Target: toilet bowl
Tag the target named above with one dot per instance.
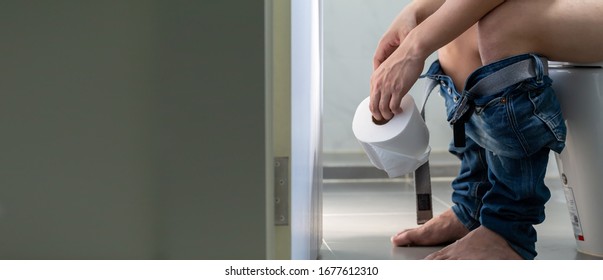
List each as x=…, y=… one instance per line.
x=579, y=88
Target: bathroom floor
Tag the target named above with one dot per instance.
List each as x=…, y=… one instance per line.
x=360, y=215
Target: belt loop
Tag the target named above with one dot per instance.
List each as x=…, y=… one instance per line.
x=539, y=68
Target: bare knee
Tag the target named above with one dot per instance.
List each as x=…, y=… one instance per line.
x=519, y=26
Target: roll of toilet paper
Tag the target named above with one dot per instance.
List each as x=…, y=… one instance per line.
x=399, y=146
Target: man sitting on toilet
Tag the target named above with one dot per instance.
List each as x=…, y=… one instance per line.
x=493, y=75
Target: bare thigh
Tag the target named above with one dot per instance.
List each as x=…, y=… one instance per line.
x=562, y=30
x=461, y=57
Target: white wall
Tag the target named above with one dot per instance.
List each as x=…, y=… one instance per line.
x=352, y=29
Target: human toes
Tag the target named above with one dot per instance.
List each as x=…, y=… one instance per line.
x=402, y=238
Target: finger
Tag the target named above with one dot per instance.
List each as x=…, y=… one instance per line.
x=375, y=97
x=384, y=106
x=432, y=256
x=379, y=99
x=395, y=103
x=387, y=45
x=374, y=104
x=382, y=53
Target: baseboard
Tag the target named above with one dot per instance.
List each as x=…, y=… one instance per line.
x=358, y=166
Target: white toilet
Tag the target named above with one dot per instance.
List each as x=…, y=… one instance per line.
x=579, y=88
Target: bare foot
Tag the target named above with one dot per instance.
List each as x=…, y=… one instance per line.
x=442, y=229
x=480, y=244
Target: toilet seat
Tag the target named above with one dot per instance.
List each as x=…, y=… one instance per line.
x=562, y=64
x=579, y=89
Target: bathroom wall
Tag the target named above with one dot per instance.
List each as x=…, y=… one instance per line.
x=351, y=32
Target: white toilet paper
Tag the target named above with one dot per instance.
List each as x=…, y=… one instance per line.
x=398, y=147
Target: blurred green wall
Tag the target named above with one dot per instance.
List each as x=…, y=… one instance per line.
x=132, y=130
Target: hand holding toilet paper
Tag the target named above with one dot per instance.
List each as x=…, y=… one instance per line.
x=398, y=147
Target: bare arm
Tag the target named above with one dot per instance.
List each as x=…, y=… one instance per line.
x=412, y=15
x=392, y=79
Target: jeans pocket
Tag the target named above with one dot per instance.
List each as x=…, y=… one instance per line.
x=537, y=120
x=548, y=110
x=492, y=127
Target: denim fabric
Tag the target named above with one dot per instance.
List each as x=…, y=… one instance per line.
x=471, y=184
x=509, y=136
x=472, y=181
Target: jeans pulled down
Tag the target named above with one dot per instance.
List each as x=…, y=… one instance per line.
x=508, y=138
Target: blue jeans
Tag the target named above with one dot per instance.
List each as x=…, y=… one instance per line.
x=508, y=138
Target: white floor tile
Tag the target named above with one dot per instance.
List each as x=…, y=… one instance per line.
x=359, y=218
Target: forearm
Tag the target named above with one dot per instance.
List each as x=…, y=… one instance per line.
x=401, y=54
x=422, y=9
x=445, y=23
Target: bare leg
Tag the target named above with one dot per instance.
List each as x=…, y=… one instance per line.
x=458, y=59
x=563, y=30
